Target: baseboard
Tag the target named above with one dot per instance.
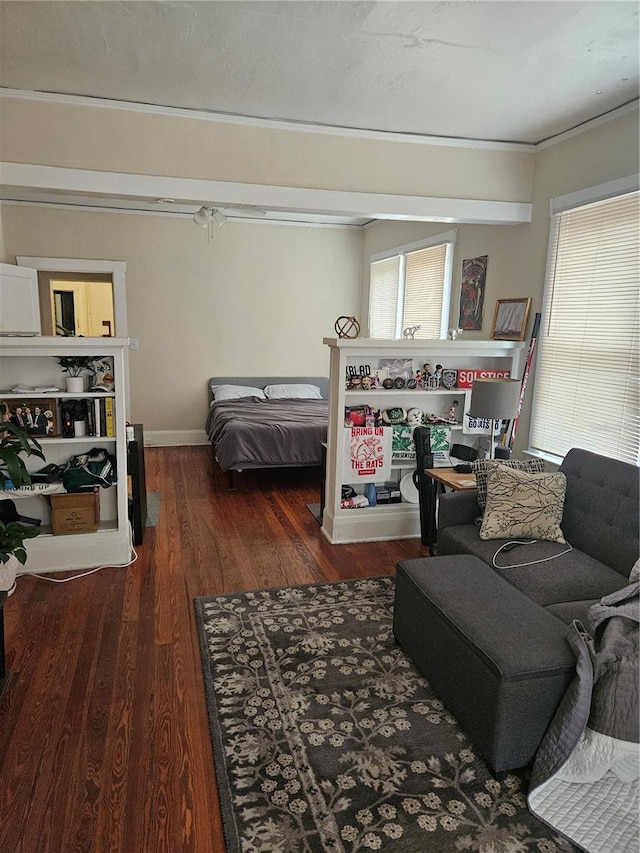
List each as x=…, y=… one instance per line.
x=174, y=437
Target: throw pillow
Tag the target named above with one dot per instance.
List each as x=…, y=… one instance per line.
x=293, y=390
x=481, y=468
x=235, y=392
x=523, y=505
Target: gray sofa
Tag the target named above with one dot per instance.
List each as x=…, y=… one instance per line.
x=492, y=641
x=600, y=522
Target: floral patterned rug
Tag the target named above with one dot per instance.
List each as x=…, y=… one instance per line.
x=327, y=739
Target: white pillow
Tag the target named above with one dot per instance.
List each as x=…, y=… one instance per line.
x=234, y=392
x=292, y=389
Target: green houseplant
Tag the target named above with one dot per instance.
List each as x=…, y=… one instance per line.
x=74, y=365
x=14, y=443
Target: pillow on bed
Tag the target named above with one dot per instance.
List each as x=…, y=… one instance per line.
x=234, y=392
x=292, y=389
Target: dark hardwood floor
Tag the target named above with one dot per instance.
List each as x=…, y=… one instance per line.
x=104, y=739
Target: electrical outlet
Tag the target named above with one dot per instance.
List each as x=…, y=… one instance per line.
x=134, y=344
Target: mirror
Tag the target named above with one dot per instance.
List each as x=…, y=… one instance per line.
x=76, y=304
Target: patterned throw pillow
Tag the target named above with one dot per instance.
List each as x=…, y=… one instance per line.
x=523, y=505
x=481, y=468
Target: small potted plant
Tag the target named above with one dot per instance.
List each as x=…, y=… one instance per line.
x=74, y=366
x=13, y=473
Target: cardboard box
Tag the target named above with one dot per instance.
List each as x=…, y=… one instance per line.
x=75, y=513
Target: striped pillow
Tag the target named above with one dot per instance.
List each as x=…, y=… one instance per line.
x=481, y=468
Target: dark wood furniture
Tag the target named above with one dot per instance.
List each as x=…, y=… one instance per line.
x=4, y=675
x=138, y=490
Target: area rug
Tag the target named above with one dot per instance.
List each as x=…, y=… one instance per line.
x=326, y=738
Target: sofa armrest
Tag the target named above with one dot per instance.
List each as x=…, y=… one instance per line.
x=458, y=508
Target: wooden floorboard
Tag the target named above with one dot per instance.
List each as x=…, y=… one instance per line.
x=104, y=737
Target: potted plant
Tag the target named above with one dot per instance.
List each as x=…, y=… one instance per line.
x=74, y=365
x=14, y=442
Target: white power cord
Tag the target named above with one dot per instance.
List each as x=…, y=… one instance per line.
x=91, y=571
x=513, y=543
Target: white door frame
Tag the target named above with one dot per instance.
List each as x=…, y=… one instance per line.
x=118, y=272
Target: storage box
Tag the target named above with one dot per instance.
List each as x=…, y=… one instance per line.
x=75, y=513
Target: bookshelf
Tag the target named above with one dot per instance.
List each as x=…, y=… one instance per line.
x=364, y=357
x=31, y=363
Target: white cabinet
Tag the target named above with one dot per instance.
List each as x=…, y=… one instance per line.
x=19, y=303
x=365, y=358
x=32, y=363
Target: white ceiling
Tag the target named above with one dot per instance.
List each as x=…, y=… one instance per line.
x=506, y=71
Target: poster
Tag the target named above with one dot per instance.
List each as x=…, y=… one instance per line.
x=474, y=274
x=402, y=445
x=440, y=445
x=367, y=454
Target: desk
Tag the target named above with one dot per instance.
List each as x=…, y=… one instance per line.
x=434, y=481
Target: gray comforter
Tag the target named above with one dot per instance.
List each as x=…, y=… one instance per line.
x=255, y=433
x=585, y=776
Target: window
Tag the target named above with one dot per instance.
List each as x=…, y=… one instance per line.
x=411, y=286
x=587, y=391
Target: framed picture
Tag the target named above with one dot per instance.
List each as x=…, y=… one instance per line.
x=510, y=319
x=37, y=416
x=474, y=277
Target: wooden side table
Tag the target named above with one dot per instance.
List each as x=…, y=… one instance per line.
x=437, y=480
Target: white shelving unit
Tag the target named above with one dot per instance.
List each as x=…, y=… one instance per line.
x=32, y=362
x=396, y=521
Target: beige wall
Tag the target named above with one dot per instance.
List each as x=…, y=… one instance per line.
x=518, y=254
x=257, y=299
x=137, y=143
x=261, y=297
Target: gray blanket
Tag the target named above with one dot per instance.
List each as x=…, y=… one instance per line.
x=254, y=433
x=585, y=776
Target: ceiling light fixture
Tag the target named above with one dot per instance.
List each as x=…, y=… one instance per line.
x=206, y=215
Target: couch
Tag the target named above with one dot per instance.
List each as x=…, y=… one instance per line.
x=600, y=521
x=492, y=641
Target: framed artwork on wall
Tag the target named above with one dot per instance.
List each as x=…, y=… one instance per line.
x=474, y=277
x=510, y=319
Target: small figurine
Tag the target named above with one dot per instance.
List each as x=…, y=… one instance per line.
x=451, y=414
x=426, y=371
x=410, y=332
x=419, y=378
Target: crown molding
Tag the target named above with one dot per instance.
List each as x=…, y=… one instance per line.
x=266, y=124
x=630, y=107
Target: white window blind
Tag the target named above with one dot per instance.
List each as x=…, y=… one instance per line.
x=423, y=290
x=587, y=388
x=383, y=297
x=411, y=287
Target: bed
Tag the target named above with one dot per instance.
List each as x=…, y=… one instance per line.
x=250, y=432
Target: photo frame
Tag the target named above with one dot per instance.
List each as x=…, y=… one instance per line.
x=37, y=415
x=510, y=319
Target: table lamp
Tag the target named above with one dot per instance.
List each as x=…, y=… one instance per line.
x=495, y=400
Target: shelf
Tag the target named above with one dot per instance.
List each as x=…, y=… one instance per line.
x=361, y=357
x=58, y=395
x=404, y=392
x=33, y=363
x=80, y=439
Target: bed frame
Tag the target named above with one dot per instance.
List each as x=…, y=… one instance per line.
x=260, y=382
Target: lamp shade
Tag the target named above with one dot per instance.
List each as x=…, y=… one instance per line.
x=495, y=399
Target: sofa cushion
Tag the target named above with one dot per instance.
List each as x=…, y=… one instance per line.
x=601, y=508
x=481, y=468
x=523, y=505
x=573, y=576
x=567, y=611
